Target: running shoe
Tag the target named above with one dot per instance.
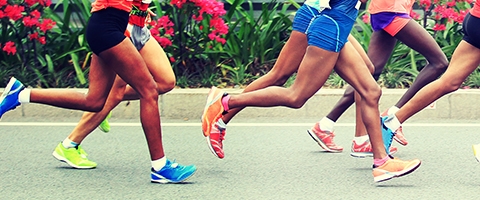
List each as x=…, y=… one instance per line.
x=324, y=139
x=394, y=168
x=387, y=135
x=213, y=110
x=399, y=136
x=172, y=172
x=215, y=140
x=9, y=97
x=105, y=126
x=75, y=157
x=365, y=150
x=476, y=151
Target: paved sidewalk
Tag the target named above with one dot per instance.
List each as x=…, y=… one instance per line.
x=189, y=103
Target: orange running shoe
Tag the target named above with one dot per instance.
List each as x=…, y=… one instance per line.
x=365, y=150
x=215, y=140
x=394, y=168
x=399, y=136
x=213, y=110
x=324, y=139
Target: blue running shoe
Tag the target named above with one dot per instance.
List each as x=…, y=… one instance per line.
x=172, y=172
x=9, y=98
x=387, y=135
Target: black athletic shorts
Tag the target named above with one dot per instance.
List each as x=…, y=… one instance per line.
x=106, y=28
x=471, y=30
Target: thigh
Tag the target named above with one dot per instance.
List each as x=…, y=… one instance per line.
x=101, y=78
x=354, y=72
x=380, y=49
x=416, y=37
x=157, y=62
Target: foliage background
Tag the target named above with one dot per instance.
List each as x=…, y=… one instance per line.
x=253, y=42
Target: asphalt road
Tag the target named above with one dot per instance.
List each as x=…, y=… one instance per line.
x=263, y=161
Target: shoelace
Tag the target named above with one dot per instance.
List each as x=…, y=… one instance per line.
x=174, y=164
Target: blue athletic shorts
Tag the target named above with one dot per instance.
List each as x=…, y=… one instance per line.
x=304, y=18
x=330, y=30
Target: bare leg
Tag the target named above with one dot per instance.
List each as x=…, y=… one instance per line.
x=159, y=67
x=417, y=38
x=465, y=60
x=287, y=63
x=302, y=89
x=358, y=75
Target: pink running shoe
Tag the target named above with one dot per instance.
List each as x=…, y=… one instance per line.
x=215, y=140
x=399, y=136
x=324, y=139
x=365, y=150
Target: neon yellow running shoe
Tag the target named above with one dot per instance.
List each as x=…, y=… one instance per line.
x=75, y=157
x=476, y=151
x=105, y=126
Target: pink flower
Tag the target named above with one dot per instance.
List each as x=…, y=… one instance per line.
x=164, y=42
x=414, y=15
x=425, y=4
x=439, y=27
x=172, y=59
x=366, y=19
x=3, y=2
x=451, y=3
x=10, y=48
x=178, y=3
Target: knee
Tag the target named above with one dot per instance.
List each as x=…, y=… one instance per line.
x=149, y=92
x=296, y=101
x=440, y=64
x=449, y=85
x=372, y=94
x=94, y=105
x=166, y=86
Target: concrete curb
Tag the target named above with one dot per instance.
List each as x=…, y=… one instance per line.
x=188, y=104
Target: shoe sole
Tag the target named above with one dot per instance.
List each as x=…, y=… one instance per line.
x=211, y=98
x=211, y=147
x=323, y=145
x=361, y=155
x=63, y=159
x=166, y=181
x=399, y=141
x=399, y=174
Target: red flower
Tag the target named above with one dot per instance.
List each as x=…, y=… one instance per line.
x=172, y=59
x=35, y=14
x=46, y=25
x=439, y=27
x=45, y=3
x=178, y=3
x=451, y=3
x=31, y=2
x=42, y=40
x=30, y=22
x=10, y=48
x=3, y=2
x=14, y=12
x=33, y=36
x=425, y=4
x=2, y=14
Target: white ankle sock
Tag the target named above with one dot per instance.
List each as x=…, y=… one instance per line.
x=67, y=143
x=361, y=139
x=327, y=124
x=24, y=96
x=221, y=124
x=392, y=110
x=393, y=123
x=159, y=163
